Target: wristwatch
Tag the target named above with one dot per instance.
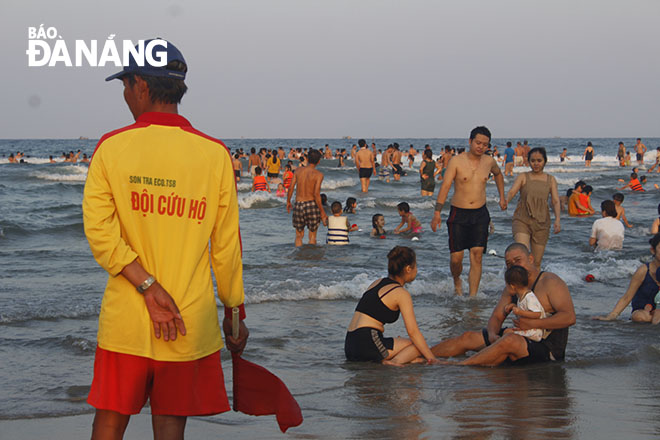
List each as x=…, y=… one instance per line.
x=146, y=284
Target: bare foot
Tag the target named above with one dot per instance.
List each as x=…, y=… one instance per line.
x=392, y=363
x=648, y=308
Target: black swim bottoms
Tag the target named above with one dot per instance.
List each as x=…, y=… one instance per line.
x=639, y=157
x=366, y=173
x=273, y=175
x=468, y=228
x=367, y=344
x=538, y=351
x=397, y=169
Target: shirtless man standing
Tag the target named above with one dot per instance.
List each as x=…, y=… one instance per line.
x=364, y=162
x=385, y=163
x=495, y=345
x=469, y=218
x=396, y=162
x=640, y=149
x=308, y=210
x=253, y=161
x=520, y=151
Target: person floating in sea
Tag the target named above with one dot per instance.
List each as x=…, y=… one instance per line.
x=642, y=291
x=308, y=211
x=351, y=205
x=578, y=205
x=468, y=221
x=634, y=183
x=378, y=226
x=259, y=182
x=159, y=337
x=365, y=164
x=384, y=301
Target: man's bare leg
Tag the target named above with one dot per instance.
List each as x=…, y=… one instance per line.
x=168, y=427
x=109, y=425
x=299, y=237
x=468, y=341
x=364, y=183
x=312, y=236
x=510, y=345
x=474, y=276
x=456, y=267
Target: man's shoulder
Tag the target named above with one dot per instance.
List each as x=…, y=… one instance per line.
x=547, y=282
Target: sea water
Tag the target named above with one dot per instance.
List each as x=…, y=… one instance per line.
x=299, y=303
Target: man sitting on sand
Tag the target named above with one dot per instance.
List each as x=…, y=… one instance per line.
x=495, y=346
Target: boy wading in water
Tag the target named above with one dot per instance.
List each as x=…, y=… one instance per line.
x=469, y=218
x=308, y=210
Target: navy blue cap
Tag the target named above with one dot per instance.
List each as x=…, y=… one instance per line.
x=172, y=53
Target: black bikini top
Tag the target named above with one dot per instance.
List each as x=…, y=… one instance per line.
x=372, y=305
x=514, y=298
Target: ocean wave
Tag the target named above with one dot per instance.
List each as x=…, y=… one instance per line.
x=46, y=313
x=70, y=173
x=338, y=183
x=352, y=288
x=243, y=186
x=260, y=199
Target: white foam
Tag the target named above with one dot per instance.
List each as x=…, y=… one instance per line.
x=339, y=183
x=71, y=173
x=247, y=201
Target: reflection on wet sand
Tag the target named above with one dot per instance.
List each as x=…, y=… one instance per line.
x=514, y=402
x=387, y=400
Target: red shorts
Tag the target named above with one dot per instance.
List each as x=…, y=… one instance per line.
x=122, y=383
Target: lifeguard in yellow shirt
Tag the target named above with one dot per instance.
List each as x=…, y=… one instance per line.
x=160, y=197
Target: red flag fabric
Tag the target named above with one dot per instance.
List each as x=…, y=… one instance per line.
x=259, y=392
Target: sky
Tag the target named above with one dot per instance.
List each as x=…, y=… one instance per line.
x=360, y=68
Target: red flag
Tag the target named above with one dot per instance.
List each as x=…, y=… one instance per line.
x=259, y=392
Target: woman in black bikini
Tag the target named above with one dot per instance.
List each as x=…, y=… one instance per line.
x=381, y=304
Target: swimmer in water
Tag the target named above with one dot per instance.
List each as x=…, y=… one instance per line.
x=407, y=217
x=378, y=223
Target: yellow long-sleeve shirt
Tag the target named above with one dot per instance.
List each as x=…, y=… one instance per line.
x=164, y=193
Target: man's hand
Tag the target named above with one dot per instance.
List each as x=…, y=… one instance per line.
x=503, y=204
x=436, y=222
x=163, y=312
x=289, y=206
x=524, y=323
x=235, y=345
x=557, y=227
x=324, y=218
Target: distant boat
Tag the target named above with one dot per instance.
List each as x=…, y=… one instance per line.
x=347, y=137
x=83, y=138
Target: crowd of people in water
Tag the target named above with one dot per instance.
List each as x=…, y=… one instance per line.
x=540, y=300
x=20, y=157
